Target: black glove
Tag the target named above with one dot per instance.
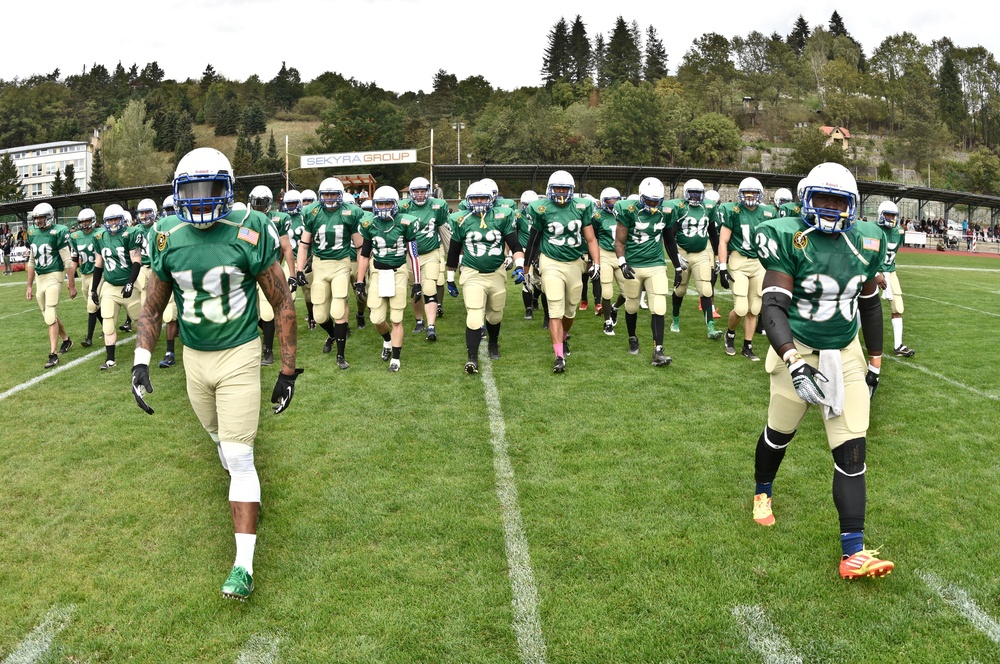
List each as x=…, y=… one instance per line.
x=724, y=278
x=284, y=389
x=627, y=271
x=871, y=379
x=95, y=298
x=293, y=283
x=309, y=264
x=807, y=380
x=300, y=278
x=678, y=276
x=416, y=291
x=594, y=273
x=360, y=290
x=452, y=289
x=127, y=290
x=141, y=386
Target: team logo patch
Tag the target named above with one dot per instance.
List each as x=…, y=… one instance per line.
x=871, y=244
x=161, y=241
x=631, y=208
x=366, y=223
x=541, y=208
x=248, y=235
x=800, y=241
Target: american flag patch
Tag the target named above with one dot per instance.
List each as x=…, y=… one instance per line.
x=871, y=244
x=248, y=235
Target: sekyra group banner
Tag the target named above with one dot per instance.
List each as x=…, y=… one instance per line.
x=376, y=157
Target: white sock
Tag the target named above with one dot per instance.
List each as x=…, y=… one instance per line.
x=245, y=543
x=897, y=332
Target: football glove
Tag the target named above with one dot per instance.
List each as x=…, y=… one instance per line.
x=678, y=276
x=807, y=380
x=683, y=261
x=627, y=271
x=416, y=291
x=594, y=272
x=293, y=283
x=508, y=262
x=871, y=379
x=309, y=264
x=452, y=289
x=300, y=278
x=141, y=386
x=284, y=389
x=361, y=290
x=95, y=298
x=127, y=290
x=518, y=275
x=724, y=276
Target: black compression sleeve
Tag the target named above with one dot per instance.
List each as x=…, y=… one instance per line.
x=513, y=243
x=870, y=308
x=713, y=237
x=366, y=248
x=134, y=272
x=774, y=314
x=454, y=253
x=98, y=273
x=670, y=244
x=533, y=240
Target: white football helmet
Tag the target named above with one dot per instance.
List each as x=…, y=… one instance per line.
x=610, y=196
x=633, y=197
x=888, y=214
x=651, y=194
x=331, y=193
x=713, y=195
x=292, y=202
x=366, y=204
x=43, y=216
x=168, y=206
x=782, y=196
x=385, y=203
x=260, y=198
x=240, y=205
x=830, y=179
x=694, y=192
x=203, y=186
x=799, y=188
x=560, y=187
x=420, y=190
x=129, y=221
x=751, y=193
x=146, y=212
x=492, y=186
x=479, y=197
x=86, y=220
x=114, y=219
x=528, y=197
x=308, y=196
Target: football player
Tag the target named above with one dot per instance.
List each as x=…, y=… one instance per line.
x=561, y=233
x=212, y=259
x=605, y=225
x=308, y=197
x=696, y=219
x=331, y=229
x=83, y=252
x=168, y=206
x=736, y=244
x=529, y=292
x=785, y=204
x=295, y=226
x=645, y=227
x=260, y=200
x=888, y=281
x=431, y=214
x=386, y=244
x=170, y=313
x=146, y=216
x=116, y=269
x=478, y=237
x=50, y=257
x=819, y=286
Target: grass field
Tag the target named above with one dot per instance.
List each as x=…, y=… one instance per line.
x=385, y=538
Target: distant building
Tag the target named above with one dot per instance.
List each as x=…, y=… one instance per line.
x=37, y=165
x=838, y=135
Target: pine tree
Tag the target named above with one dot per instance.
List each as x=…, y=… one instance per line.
x=556, y=61
x=57, y=188
x=579, y=52
x=99, y=179
x=242, y=159
x=796, y=39
x=69, y=180
x=272, y=162
x=228, y=122
x=10, y=183
x=598, y=54
x=185, y=137
x=623, y=60
x=837, y=28
x=950, y=94
x=253, y=119
x=655, y=66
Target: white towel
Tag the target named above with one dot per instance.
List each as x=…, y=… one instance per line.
x=833, y=389
x=887, y=292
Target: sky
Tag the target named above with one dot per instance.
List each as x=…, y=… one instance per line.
x=401, y=44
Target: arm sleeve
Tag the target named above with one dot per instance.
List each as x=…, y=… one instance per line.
x=670, y=244
x=454, y=253
x=366, y=247
x=134, y=272
x=774, y=315
x=98, y=273
x=513, y=243
x=713, y=236
x=870, y=310
x=533, y=240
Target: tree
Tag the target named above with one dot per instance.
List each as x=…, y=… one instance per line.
x=471, y=96
x=185, y=137
x=712, y=140
x=952, y=103
x=10, y=183
x=99, y=177
x=208, y=77
x=273, y=161
x=69, y=181
x=285, y=88
x=655, y=66
x=129, y=154
x=228, y=121
x=357, y=123
x=556, y=59
x=836, y=25
x=623, y=60
x=982, y=171
x=598, y=54
x=796, y=39
x=253, y=119
x=57, y=188
x=578, y=50
x=639, y=125
x=811, y=149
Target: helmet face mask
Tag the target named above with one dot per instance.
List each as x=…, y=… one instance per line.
x=43, y=216
x=528, y=197
x=782, y=196
x=292, y=202
x=114, y=219
x=168, y=206
x=260, y=198
x=830, y=198
x=888, y=214
x=479, y=198
x=694, y=192
x=651, y=194
x=385, y=203
x=420, y=191
x=86, y=220
x=308, y=196
x=751, y=193
x=609, y=196
x=331, y=193
x=560, y=188
x=203, y=187
x=146, y=212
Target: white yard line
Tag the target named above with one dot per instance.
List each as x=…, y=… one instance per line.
x=950, y=381
x=947, y=267
x=49, y=373
x=952, y=304
x=20, y=313
x=964, y=604
x=764, y=638
x=259, y=649
x=524, y=600
x=36, y=645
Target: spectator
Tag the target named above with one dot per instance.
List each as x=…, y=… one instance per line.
x=5, y=250
x=438, y=191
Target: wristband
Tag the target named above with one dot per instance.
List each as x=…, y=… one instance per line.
x=621, y=260
x=450, y=275
x=792, y=359
x=142, y=356
x=518, y=262
x=874, y=370
x=722, y=266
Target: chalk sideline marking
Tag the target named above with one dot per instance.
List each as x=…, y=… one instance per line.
x=964, y=604
x=58, y=370
x=524, y=599
x=764, y=638
x=952, y=304
x=19, y=313
x=259, y=649
x=950, y=381
x=945, y=267
x=36, y=645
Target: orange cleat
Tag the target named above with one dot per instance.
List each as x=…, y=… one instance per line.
x=864, y=563
x=762, y=510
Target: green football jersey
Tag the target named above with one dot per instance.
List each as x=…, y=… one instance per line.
x=294, y=227
x=281, y=221
x=828, y=275
x=213, y=272
x=791, y=209
x=605, y=224
x=115, y=251
x=694, y=220
x=523, y=225
x=389, y=238
x=893, y=240
x=82, y=244
x=332, y=229
x=143, y=238
x=431, y=216
x=45, y=246
x=743, y=222
x=561, y=227
x=644, y=242
x=482, y=237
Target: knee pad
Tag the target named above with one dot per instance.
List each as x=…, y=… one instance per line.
x=108, y=325
x=244, y=485
x=849, y=458
x=430, y=299
x=338, y=309
x=775, y=439
x=321, y=311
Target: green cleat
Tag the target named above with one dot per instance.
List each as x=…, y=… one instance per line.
x=712, y=332
x=675, y=326
x=239, y=585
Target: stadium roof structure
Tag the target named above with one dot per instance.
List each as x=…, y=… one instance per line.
x=675, y=177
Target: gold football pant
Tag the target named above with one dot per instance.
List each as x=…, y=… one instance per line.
x=747, y=276
x=47, y=288
x=700, y=266
x=112, y=302
x=224, y=389
x=654, y=280
x=485, y=295
x=562, y=283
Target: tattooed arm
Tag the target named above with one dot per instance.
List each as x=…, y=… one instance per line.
x=151, y=317
x=272, y=282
